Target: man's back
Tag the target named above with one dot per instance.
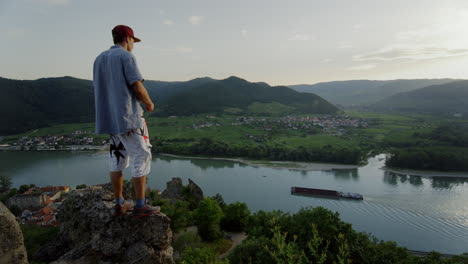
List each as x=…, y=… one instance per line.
x=117, y=108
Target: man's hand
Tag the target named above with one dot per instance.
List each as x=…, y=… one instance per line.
x=150, y=107
x=142, y=95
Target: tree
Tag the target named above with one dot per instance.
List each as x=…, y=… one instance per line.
x=26, y=187
x=81, y=186
x=208, y=217
x=5, y=183
x=179, y=212
x=5, y=196
x=219, y=198
x=236, y=217
x=252, y=250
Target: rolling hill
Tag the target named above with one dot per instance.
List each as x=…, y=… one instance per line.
x=445, y=99
x=364, y=92
x=236, y=93
x=30, y=104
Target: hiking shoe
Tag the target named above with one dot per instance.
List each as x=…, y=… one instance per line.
x=146, y=210
x=124, y=208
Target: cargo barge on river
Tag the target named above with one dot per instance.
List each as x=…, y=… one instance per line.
x=326, y=193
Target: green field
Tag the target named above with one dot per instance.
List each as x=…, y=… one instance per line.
x=382, y=127
x=178, y=134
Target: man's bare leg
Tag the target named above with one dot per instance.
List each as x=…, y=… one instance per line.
x=117, y=183
x=141, y=209
x=139, y=185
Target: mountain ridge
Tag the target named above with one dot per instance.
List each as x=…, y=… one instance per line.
x=30, y=104
x=447, y=99
x=365, y=92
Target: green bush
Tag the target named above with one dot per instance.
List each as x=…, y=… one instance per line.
x=312, y=235
x=252, y=251
x=207, y=218
x=5, y=183
x=389, y=253
x=4, y=196
x=287, y=251
x=35, y=236
x=219, y=198
x=186, y=240
x=200, y=256
x=189, y=198
x=260, y=225
x=220, y=246
x=81, y=186
x=25, y=187
x=178, y=212
x=236, y=217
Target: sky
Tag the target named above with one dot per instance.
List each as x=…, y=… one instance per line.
x=275, y=41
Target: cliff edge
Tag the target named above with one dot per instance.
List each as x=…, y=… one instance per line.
x=90, y=233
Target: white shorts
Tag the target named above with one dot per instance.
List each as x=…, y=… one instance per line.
x=132, y=148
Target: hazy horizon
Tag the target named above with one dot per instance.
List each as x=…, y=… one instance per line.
x=293, y=84
x=280, y=43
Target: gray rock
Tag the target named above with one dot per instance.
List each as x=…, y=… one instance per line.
x=173, y=190
x=12, y=248
x=90, y=233
x=196, y=192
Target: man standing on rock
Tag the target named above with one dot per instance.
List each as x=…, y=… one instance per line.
x=118, y=92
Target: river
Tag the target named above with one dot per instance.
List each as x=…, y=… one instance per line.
x=418, y=212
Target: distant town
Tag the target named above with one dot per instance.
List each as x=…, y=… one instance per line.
x=78, y=140
x=83, y=140
x=329, y=124
x=38, y=205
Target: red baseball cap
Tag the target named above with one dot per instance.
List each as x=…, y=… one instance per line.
x=124, y=31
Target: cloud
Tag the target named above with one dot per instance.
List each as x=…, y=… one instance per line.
x=168, y=22
x=244, y=32
x=196, y=20
x=345, y=46
x=364, y=67
x=444, y=38
x=327, y=60
x=410, y=53
x=300, y=37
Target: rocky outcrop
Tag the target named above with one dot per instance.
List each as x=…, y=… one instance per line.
x=196, y=192
x=90, y=233
x=12, y=248
x=175, y=190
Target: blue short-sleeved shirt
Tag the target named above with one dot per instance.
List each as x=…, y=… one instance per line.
x=117, y=107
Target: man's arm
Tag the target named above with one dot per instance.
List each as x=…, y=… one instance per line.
x=142, y=95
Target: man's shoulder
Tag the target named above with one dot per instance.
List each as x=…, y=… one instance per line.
x=115, y=52
x=102, y=54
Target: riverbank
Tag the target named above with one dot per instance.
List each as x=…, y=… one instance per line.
x=92, y=148
x=290, y=165
x=429, y=174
